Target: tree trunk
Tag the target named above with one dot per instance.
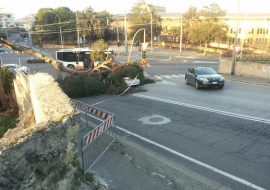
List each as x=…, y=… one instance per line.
x=205, y=48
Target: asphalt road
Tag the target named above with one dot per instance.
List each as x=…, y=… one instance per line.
x=236, y=144
x=227, y=129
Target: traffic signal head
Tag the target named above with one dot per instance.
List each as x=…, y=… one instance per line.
x=143, y=55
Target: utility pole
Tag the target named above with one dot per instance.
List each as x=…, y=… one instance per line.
x=61, y=37
x=78, y=34
x=126, y=48
x=235, y=40
x=117, y=32
x=30, y=37
x=181, y=34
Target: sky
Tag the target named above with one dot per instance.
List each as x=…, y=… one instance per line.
x=22, y=8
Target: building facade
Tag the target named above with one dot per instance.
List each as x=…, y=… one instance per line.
x=7, y=20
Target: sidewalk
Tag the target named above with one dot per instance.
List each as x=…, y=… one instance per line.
x=248, y=80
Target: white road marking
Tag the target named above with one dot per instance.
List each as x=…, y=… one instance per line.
x=166, y=76
x=233, y=177
x=181, y=75
x=248, y=83
x=236, y=115
x=175, y=76
x=158, y=77
x=168, y=82
x=205, y=61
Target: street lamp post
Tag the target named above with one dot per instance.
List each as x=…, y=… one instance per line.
x=133, y=41
x=61, y=37
x=148, y=8
x=235, y=40
x=181, y=34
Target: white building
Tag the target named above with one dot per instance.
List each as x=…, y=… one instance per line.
x=7, y=20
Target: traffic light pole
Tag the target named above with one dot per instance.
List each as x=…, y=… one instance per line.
x=133, y=42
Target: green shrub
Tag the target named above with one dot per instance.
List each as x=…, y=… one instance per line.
x=73, y=86
x=255, y=57
x=117, y=89
x=81, y=86
x=94, y=86
x=147, y=81
x=8, y=120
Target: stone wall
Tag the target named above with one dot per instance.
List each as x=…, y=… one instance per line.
x=46, y=159
x=256, y=70
x=41, y=152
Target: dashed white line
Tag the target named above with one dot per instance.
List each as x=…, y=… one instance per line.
x=233, y=177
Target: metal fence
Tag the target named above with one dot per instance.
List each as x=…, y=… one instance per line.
x=99, y=138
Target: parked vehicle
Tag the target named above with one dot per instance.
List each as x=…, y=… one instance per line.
x=35, y=60
x=17, y=68
x=78, y=58
x=202, y=77
x=2, y=49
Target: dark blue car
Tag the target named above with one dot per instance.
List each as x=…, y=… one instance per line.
x=202, y=77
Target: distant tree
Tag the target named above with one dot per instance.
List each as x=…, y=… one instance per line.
x=140, y=18
x=189, y=17
x=206, y=26
x=47, y=21
x=88, y=24
x=98, y=50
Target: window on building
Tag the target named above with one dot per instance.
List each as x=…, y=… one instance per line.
x=266, y=31
x=239, y=31
x=258, y=30
x=252, y=31
x=231, y=30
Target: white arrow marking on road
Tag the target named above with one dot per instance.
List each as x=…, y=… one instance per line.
x=241, y=116
x=233, y=177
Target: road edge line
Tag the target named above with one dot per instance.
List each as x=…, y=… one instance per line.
x=233, y=177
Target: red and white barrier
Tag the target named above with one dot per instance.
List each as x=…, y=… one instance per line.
x=97, y=112
x=78, y=104
x=98, y=131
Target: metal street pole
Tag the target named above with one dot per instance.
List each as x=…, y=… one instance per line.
x=126, y=48
x=61, y=37
x=235, y=40
x=117, y=32
x=148, y=8
x=181, y=34
x=133, y=41
x=78, y=34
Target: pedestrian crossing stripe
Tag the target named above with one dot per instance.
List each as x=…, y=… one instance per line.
x=169, y=76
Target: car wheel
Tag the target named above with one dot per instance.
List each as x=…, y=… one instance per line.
x=186, y=81
x=197, y=85
x=71, y=66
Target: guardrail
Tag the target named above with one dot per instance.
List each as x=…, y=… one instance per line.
x=95, y=142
